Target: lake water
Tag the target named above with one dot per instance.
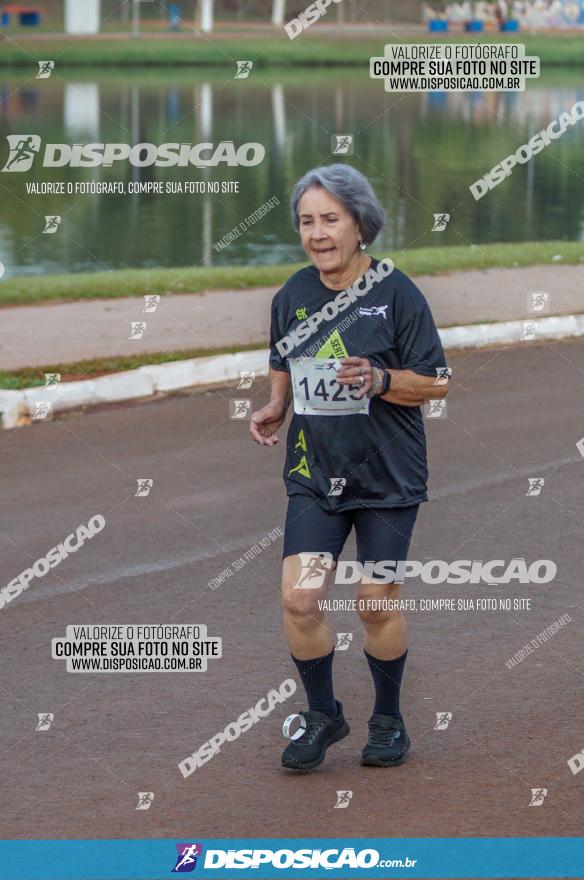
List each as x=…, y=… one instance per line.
x=420, y=151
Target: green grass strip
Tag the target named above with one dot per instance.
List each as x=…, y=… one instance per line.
x=273, y=49
x=77, y=370
x=27, y=290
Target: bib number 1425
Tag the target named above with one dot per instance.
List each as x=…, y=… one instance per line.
x=317, y=392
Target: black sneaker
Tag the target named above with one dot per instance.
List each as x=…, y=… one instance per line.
x=308, y=751
x=387, y=743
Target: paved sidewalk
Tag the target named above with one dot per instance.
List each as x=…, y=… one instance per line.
x=62, y=333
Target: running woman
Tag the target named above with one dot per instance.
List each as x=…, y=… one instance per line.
x=365, y=356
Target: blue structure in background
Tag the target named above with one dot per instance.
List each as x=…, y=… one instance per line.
x=28, y=16
x=174, y=16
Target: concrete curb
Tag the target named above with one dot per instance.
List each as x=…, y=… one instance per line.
x=18, y=407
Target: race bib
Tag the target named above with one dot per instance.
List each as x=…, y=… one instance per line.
x=317, y=392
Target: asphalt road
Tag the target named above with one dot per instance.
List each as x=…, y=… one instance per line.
x=512, y=414
x=60, y=333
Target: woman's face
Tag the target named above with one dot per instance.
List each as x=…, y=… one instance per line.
x=329, y=234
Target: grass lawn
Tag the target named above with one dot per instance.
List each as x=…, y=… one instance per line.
x=271, y=49
x=26, y=290
x=29, y=378
x=427, y=261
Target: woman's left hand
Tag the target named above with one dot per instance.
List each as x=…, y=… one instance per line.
x=351, y=371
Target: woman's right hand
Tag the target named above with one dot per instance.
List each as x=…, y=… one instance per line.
x=266, y=421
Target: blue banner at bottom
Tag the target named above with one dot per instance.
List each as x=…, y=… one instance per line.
x=292, y=857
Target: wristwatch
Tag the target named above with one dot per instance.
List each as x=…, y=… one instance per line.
x=386, y=381
x=382, y=383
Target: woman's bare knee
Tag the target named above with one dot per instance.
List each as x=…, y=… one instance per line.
x=376, y=604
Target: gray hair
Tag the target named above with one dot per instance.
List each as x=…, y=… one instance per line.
x=349, y=187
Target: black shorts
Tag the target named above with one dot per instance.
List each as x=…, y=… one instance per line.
x=382, y=533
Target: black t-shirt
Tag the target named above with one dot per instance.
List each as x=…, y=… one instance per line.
x=381, y=457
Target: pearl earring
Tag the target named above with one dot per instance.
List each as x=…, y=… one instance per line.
x=362, y=245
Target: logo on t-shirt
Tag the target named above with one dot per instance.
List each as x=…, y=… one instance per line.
x=302, y=466
x=333, y=347
x=374, y=311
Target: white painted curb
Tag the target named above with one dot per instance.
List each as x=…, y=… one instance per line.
x=506, y=332
x=18, y=407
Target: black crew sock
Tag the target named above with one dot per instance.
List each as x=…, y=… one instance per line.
x=387, y=676
x=317, y=678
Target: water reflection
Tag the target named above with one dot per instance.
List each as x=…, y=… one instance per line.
x=421, y=152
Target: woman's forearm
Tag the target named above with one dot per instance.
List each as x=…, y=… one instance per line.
x=281, y=387
x=411, y=389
